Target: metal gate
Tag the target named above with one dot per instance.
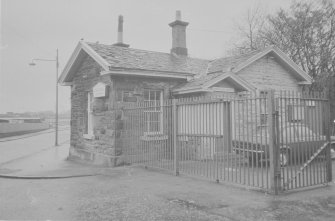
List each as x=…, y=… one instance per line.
x=303, y=140
x=272, y=141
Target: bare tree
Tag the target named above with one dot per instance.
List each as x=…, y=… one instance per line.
x=306, y=32
x=249, y=28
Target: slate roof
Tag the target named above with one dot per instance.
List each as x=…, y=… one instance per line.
x=118, y=58
x=216, y=68
x=198, y=82
x=223, y=64
x=129, y=58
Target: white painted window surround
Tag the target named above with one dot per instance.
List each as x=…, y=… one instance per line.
x=89, y=132
x=154, y=115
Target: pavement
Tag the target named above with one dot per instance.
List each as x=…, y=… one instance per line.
x=48, y=163
x=45, y=185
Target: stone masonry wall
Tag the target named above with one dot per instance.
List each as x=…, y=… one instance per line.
x=267, y=73
x=105, y=147
x=103, y=119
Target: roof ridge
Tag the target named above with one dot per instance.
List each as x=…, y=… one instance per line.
x=137, y=49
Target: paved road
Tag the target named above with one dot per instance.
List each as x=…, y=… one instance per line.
x=130, y=193
x=137, y=194
x=12, y=148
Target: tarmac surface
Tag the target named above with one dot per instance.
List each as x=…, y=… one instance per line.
x=45, y=185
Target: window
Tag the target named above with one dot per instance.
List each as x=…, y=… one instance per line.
x=263, y=119
x=88, y=118
x=126, y=96
x=295, y=113
x=153, y=114
x=263, y=116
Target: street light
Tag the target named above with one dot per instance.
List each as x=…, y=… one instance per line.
x=32, y=63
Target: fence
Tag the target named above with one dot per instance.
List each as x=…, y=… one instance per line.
x=272, y=141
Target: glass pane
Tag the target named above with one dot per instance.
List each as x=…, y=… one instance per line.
x=154, y=127
x=154, y=116
x=158, y=95
x=119, y=95
x=152, y=95
x=146, y=95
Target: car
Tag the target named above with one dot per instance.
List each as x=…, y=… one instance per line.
x=297, y=144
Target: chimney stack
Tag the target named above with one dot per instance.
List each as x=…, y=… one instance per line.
x=120, y=34
x=179, y=35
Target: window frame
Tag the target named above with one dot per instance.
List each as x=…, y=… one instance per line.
x=88, y=117
x=263, y=111
x=122, y=92
x=158, y=108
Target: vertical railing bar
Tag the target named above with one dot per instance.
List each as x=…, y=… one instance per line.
x=249, y=145
x=290, y=185
x=236, y=112
x=175, y=126
x=206, y=139
x=315, y=141
x=244, y=140
x=262, y=106
x=311, y=149
x=254, y=143
x=191, y=108
x=140, y=125
x=171, y=151
x=321, y=133
x=257, y=143
x=317, y=135
x=328, y=150
x=143, y=147
x=133, y=134
x=266, y=112
x=210, y=105
x=217, y=139
x=188, y=113
x=306, y=174
x=280, y=111
x=198, y=162
x=321, y=124
x=181, y=145
x=149, y=160
x=222, y=122
x=291, y=139
x=306, y=140
x=318, y=138
x=297, y=165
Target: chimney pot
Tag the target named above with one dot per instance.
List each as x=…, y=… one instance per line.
x=179, y=35
x=178, y=15
x=120, y=33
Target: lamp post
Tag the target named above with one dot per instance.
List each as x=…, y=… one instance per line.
x=32, y=63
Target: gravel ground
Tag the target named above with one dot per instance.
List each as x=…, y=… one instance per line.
x=137, y=194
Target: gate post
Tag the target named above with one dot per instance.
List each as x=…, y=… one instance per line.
x=275, y=181
x=174, y=137
x=328, y=149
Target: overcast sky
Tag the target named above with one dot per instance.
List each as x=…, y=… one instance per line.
x=35, y=28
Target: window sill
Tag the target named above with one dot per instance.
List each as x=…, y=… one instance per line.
x=154, y=137
x=88, y=136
